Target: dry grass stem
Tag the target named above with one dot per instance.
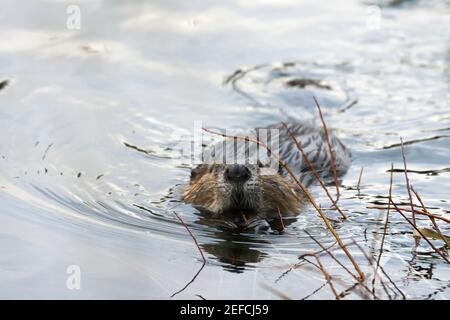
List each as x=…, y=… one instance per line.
x=407, y=183
x=313, y=170
x=383, y=238
x=333, y=166
x=359, y=179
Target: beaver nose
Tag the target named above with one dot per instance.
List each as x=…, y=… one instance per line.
x=237, y=172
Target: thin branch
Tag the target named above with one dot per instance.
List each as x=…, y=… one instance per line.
x=382, y=270
x=415, y=210
x=314, y=292
x=383, y=238
x=325, y=274
x=421, y=234
x=433, y=221
x=359, y=179
x=298, y=265
x=361, y=283
x=348, y=290
x=351, y=104
x=199, y=249
x=407, y=183
x=281, y=220
x=313, y=170
x=333, y=167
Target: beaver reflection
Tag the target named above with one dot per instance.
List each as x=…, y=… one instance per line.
x=234, y=246
x=234, y=251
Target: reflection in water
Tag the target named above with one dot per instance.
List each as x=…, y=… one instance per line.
x=237, y=247
x=229, y=244
x=234, y=251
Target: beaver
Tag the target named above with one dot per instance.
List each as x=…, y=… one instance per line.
x=248, y=190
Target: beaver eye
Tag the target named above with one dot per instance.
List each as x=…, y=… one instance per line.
x=196, y=171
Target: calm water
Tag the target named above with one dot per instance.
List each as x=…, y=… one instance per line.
x=93, y=120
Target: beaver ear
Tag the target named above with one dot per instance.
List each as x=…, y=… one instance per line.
x=197, y=171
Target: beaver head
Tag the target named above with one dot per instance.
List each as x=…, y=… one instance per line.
x=235, y=189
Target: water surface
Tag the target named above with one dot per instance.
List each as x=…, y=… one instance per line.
x=92, y=122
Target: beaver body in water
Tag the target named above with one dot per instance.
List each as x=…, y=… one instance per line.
x=243, y=189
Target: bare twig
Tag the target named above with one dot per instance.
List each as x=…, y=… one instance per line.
x=361, y=283
x=199, y=249
x=281, y=219
x=433, y=220
x=353, y=242
x=351, y=104
x=384, y=231
x=314, y=292
x=333, y=167
x=324, y=272
x=313, y=170
x=407, y=184
x=348, y=290
x=359, y=179
x=382, y=270
x=415, y=210
x=306, y=192
x=421, y=234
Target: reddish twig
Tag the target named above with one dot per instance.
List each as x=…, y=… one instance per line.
x=199, y=249
x=333, y=167
x=313, y=170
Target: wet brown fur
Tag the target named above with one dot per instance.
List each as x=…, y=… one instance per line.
x=271, y=194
